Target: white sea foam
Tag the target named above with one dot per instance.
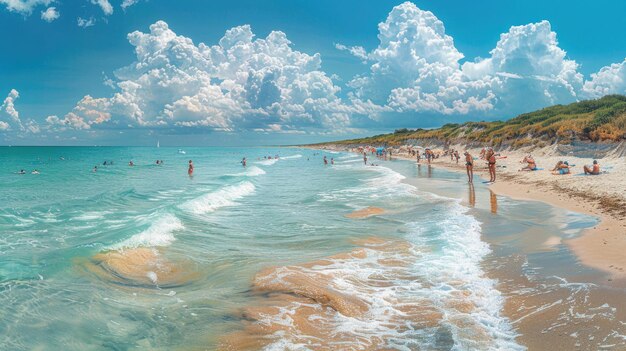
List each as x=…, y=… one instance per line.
x=225, y=196
x=160, y=233
x=441, y=270
x=267, y=162
x=291, y=157
x=252, y=171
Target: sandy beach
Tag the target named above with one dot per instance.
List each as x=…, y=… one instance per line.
x=603, y=196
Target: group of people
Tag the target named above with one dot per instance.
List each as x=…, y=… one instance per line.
x=561, y=167
x=332, y=161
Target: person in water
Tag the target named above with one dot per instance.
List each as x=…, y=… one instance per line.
x=365, y=158
x=131, y=163
x=243, y=162
x=332, y=161
x=21, y=171
x=190, y=170
x=325, y=161
x=469, y=166
x=593, y=169
x=491, y=163
x=95, y=169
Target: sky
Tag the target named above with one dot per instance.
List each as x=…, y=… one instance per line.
x=134, y=72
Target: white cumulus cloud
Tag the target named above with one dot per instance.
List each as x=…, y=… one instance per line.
x=50, y=14
x=105, y=5
x=609, y=80
x=242, y=82
x=24, y=7
x=84, y=23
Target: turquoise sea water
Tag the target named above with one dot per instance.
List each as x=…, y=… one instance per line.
x=220, y=228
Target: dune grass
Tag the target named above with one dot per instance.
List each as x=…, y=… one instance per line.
x=601, y=120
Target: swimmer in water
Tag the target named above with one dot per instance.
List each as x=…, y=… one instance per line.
x=131, y=164
x=95, y=169
x=34, y=171
x=332, y=161
x=21, y=171
x=325, y=161
x=190, y=170
x=243, y=162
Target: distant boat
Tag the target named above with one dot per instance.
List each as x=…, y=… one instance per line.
x=158, y=144
x=181, y=151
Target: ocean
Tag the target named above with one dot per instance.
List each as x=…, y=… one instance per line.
x=279, y=255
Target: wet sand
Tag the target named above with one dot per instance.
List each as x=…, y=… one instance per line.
x=303, y=305
x=141, y=267
x=365, y=213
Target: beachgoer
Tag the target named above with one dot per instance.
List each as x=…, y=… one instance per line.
x=561, y=168
x=456, y=155
x=21, y=171
x=190, y=170
x=332, y=161
x=593, y=169
x=482, y=154
x=243, y=162
x=365, y=158
x=531, y=165
x=491, y=163
x=34, y=171
x=469, y=166
x=325, y=161
x=95, y=169
x=131, y=163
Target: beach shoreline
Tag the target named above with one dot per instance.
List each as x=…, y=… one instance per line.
x=600, y=247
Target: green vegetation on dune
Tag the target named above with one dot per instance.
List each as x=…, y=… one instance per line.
x=601, y=120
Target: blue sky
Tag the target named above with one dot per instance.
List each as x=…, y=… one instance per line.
x=438, y=62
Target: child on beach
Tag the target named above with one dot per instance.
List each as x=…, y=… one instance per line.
x=469, y=165
x=593, y=169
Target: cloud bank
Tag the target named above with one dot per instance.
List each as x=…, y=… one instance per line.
x=243, y=82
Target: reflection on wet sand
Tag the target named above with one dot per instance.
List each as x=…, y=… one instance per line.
x=493, y=200
x=472, y=195
x=366, y=299
x=145, y=267
x=366, y=212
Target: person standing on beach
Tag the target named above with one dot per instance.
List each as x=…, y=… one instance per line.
x=469, y=166
x=456, y=155
x=491, y=163
x=190, y=170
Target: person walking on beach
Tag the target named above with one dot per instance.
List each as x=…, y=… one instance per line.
x=190, y=170
x=491, y=163
x=456, y=155
x=469, y=166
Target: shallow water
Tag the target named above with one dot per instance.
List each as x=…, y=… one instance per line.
x=145, y=257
